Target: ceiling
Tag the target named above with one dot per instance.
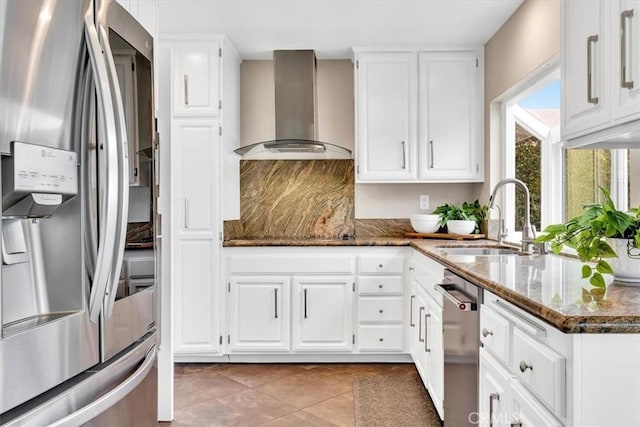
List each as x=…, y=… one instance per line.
x=333, y=27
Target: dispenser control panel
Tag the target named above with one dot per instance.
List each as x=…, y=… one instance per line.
x=38, y=169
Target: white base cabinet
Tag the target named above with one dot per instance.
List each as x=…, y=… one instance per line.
x=323, y=307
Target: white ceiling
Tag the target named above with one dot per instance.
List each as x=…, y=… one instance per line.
x=333, y=27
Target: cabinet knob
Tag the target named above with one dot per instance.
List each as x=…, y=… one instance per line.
x=380, y=265
x=524, y=366
x=381, y=311
x=380, y=286
x=486, y=332
x=381, y=339
x=411, y=268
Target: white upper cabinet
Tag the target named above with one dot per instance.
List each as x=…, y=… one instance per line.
x=601, y=73
x=450, y=135
x=196, y=84
x=144, y=11
x=386, y=87
x=585, y=66
x=419, y=116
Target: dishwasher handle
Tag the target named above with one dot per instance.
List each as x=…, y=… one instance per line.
x=447, y=291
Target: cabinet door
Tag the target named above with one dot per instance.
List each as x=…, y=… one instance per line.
x=259, y=310
x=385, y=104
x=196, y=297
x=433, y=347
x=196, y=83
x=494, y=398
x=323, y=313
x=586, y=99
x=625, y=51
x=527, y=410
x=196, y=163
x=450, y=135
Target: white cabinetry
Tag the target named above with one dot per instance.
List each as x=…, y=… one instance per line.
x=419, y=116
x=450, y=134
x=600, y=72
x=145, y=12
x=259, y=310
x=381, y=302
x=386, y=116
x=427, y=323
x=322, y=313
x=193, y=69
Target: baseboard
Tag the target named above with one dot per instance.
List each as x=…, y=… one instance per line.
x=294, y=358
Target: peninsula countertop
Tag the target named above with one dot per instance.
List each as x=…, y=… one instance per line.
x=549, y=287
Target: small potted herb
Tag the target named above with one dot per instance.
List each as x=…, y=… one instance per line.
x=462, y=219
x=599, y=233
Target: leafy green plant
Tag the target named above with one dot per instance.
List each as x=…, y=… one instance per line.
x=465, y=212
x=586, y=234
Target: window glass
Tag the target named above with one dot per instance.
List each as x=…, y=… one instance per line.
x=528, y=170
x=584, y=172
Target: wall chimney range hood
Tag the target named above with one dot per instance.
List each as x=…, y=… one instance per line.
x=296, y=115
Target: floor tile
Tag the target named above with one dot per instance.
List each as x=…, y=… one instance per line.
x=203, y=386
x=253, y=375
x=338, y=410
x=304, y=390
x=299, y=419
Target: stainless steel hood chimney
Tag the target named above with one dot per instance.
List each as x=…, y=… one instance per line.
x=296, y=115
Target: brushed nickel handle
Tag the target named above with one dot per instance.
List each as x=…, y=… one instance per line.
x=492, y=397
x=404, y=155
x=426, y=341
x=411, y=322
x=186, y=89
x=624, y=16
x=420, y=311
x=524, y=366
x=275, y=299
x=590, y=98
x=486, y=332
x=431, y=154
x=186, y=212
x=305, y=303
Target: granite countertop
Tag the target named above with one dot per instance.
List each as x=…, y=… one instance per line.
x=549, y=287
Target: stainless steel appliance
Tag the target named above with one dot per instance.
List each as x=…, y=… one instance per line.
x=461, y=323
x=76, y=123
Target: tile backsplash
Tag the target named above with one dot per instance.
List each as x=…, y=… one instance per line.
x=291, y=199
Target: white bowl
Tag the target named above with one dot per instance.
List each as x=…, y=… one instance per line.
x=425, y=223
x=461, y=226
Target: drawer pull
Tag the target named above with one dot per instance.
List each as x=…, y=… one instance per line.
x=524, y=366
x=426, y=341
x=516, y=424
x=411, y=269
x=380, y=265
x=420, y=311
x=411, y=322
x=380, y=285
x=492, y=397
x=381, y=311
x=486, y=332
x=381, y=339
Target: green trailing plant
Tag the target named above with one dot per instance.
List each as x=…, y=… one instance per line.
x=586, y=233
x=465, y=212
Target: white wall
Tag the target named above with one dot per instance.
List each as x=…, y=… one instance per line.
x=336, y=125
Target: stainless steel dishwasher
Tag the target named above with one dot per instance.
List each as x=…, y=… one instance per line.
x=461, y=341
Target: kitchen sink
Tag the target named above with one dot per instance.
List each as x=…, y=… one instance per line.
x=476, y=250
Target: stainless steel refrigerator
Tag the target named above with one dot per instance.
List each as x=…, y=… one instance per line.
x=77, y=131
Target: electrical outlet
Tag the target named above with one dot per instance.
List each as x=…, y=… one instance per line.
x=424, y=202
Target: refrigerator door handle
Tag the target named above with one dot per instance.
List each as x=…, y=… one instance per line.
x=108, y=209
x=123, y=176
x=98, y=406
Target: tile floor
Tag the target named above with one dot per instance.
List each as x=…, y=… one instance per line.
x=269, y=394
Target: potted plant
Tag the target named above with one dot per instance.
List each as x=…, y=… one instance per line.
x=462, y=219
x=599, y=233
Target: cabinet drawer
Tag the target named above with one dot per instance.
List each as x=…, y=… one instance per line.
x=495, y=332
x=380, y=309
x=380, y=265
x=380, y=338
x=527, y=410
x=380, y=285
x=541, y=368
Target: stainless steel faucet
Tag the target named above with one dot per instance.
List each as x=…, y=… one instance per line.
x=528, y=232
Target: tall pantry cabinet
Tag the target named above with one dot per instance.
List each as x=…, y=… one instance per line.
x=204, y=130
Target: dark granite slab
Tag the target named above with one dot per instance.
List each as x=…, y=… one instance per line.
x=549, y=287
